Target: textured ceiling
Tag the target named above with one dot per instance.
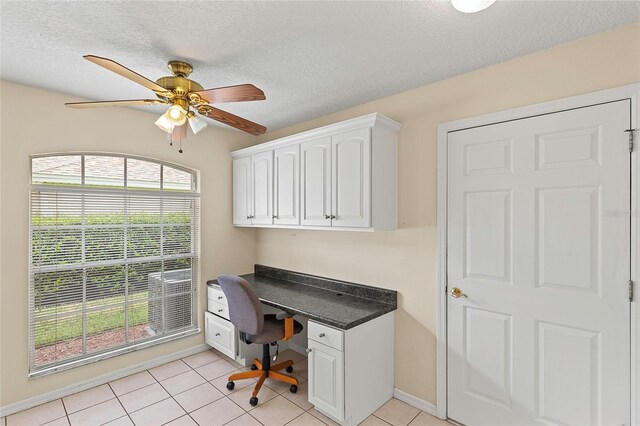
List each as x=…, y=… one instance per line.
x=310, y=58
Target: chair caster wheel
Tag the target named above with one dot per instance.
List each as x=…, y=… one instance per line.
x=293, y=388
x=253, y=401
x=289, y=369
x=254, y=367
x=231, y=385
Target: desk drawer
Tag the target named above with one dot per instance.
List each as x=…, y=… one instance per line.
x=216, y=295
x=220, y=334
x=326, y=335
x=218, y=309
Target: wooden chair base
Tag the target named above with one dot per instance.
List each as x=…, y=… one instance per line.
x=262, y=375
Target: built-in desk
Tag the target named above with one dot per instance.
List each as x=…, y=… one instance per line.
x=350, y=333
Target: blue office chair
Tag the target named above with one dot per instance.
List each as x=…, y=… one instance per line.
x=245, y=312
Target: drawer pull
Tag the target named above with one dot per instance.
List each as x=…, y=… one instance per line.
x=219, y=297
x=321, y=335
x=220, y=310
x=217, y=334
x=308, y=350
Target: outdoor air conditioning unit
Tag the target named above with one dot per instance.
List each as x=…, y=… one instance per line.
x=170, y=301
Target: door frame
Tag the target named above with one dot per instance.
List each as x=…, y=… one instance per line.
x=631, y=92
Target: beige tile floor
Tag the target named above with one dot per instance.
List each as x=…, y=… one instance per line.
x=192, y=391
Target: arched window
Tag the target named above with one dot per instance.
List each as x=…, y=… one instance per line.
x=113, y=256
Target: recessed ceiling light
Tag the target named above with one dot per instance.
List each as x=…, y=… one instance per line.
x=471, y=6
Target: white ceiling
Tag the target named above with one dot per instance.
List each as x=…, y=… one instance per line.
x=310, y=58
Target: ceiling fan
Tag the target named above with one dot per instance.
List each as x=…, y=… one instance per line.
x=185, y=97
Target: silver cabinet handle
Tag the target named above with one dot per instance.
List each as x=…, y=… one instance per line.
x=275, y=216
x=308, y=350
x=333, y=217
x=217, y=334
x=326, y=216
x=321, y=335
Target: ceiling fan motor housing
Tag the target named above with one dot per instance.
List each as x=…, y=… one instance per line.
x=178, y=83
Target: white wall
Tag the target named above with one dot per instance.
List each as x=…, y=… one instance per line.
x=35, y=121
x=405, y=260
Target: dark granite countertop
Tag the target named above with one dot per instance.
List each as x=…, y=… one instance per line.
x=336, y=303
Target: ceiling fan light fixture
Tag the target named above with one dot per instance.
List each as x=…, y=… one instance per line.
x=164, y=123
x=197, y=124
x=176, y=115
x=471, y=6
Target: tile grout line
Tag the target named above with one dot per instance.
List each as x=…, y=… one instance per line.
x=120, y=402
x=303, y=413
x=237, y=417
x=66, y=414
x=87, y=407
x=171, y=397
x=414, y=417
x=386, y=422
x=253, y=417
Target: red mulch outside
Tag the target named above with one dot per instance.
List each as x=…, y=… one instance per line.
x=95, y=343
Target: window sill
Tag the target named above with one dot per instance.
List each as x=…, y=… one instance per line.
x=66, y=365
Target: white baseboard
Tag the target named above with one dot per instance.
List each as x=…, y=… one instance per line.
x=9, y=409
x=423, y=405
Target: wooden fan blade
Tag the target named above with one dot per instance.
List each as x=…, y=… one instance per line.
x=99, y=104
x=239, y=93
x=234, y=121
x=125, y=72
x=179, y=133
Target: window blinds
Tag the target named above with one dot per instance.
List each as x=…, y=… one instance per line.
x=114, y=252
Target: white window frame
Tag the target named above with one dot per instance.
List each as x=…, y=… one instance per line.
x=72, y=362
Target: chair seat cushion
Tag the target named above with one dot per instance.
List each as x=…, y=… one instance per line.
x=273, y=330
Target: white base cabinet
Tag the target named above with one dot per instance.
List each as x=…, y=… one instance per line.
x=326, y=379
x=220, y=334
x=351, y=372
x=341, y=176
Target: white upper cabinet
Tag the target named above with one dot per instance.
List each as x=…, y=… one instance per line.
x=262, y=185
x=242, y=191
x=351, y=176
x=316, y=182
x=341, y=176
x=286, y=195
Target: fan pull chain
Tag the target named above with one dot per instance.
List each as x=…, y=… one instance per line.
x=180, y=150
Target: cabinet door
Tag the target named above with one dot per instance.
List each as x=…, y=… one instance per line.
x=242, y=191
x=351, y=177
x=315, y=175
x=286, y=202
x=326, y=379
x=262, y=186
x=220, y=334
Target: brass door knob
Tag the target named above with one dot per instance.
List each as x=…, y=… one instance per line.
x=456, y=292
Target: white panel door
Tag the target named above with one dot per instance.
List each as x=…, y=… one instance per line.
x=543, y=334
x=315, y=182
x=286, y=202
x=242, y=191
x=262, y=188
x=351, y=178
x=326, y=379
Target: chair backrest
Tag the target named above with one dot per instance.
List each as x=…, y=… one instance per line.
x=245, y=310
